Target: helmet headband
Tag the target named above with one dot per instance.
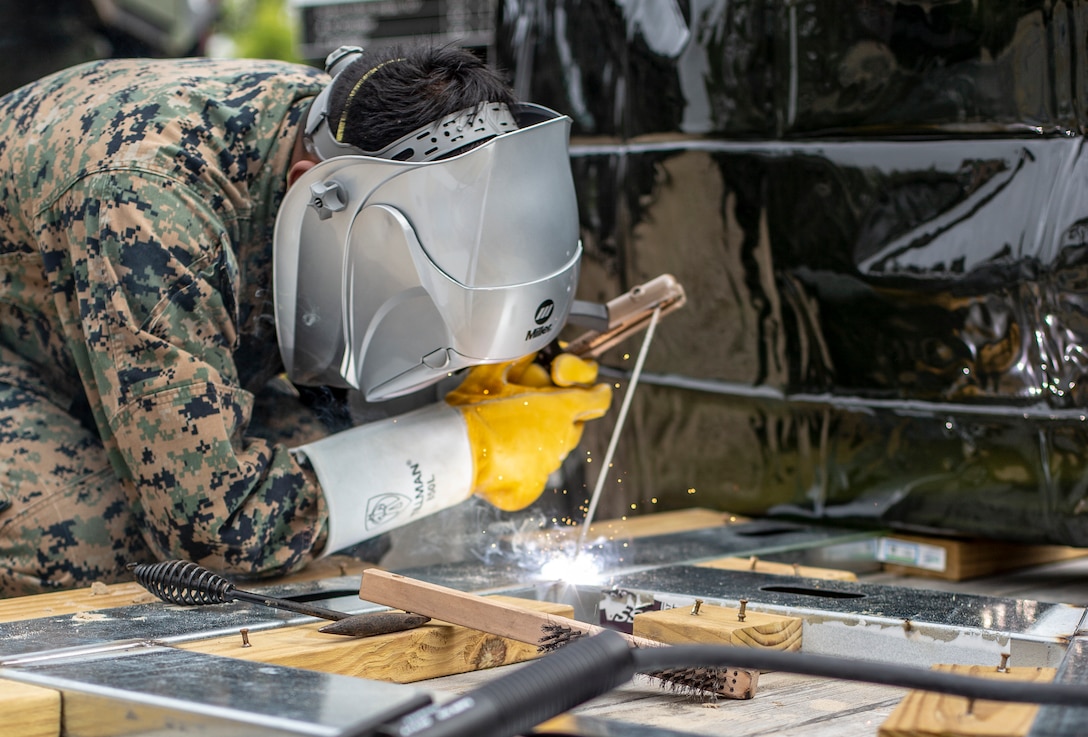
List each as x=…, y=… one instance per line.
x=430, y=142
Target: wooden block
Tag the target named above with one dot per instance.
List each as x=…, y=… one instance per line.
x=926, y=714
x=719, y=625
x=89, y=599
x=506, y=619
x=958, y=559
x=648, y=525
x=29, y=711
x=779, y=569
x=433, y=650
x=664, y=523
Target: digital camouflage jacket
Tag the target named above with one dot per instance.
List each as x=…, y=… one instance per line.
x=137, y=205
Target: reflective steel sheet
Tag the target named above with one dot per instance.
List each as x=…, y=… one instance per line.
x=1053, y=721
x=148, y=689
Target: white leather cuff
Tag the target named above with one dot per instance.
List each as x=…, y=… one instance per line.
x=382, y=475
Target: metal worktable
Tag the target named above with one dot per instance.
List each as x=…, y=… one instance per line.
x=121, y=674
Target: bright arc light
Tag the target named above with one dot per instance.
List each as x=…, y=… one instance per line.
x=577, y=570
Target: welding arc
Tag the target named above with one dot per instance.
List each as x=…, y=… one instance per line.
x=865, y=671
x=186, y=583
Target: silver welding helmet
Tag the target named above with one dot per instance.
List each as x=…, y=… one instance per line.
x=391, y=274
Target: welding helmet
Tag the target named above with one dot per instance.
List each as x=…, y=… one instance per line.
x=393, y=269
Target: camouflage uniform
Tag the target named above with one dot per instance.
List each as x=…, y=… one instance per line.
x=136, y=331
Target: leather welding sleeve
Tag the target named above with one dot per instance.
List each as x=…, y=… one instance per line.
x=500, y=434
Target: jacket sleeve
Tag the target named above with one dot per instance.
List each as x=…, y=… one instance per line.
x=146, y=280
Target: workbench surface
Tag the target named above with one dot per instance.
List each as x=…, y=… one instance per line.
x=784, y=705
x=788, y=705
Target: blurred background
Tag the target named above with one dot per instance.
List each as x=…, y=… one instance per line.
x=39, y=38
x=878, y=209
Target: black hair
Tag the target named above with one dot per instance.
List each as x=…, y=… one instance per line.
x=390, y=92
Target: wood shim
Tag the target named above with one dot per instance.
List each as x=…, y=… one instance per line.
x=436, y=649
x=927, y=714
x=721, y=626
x=955, y=559
x=755, y=565
x=500, y=618
x=29, y=711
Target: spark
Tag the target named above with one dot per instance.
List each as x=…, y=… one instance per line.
x=577, y=570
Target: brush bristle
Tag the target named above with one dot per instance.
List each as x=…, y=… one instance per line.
x=697, y=683
x=556, y=636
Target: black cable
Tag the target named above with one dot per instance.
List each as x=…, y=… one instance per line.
x=515, y=703
x=867, y=671
x=591, y=666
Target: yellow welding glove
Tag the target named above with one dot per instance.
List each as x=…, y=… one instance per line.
x=523, y=420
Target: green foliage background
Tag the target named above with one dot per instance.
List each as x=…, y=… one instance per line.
x=260, y=29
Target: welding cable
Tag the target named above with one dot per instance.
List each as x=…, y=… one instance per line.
x=591, y=666
x=586, y=668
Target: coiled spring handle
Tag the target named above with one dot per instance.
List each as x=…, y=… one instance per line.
x=189, y=584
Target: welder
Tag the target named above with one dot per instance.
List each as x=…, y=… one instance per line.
x=201, y=259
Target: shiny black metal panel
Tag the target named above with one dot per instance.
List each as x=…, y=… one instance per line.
x=769, y=69
x=877, y=211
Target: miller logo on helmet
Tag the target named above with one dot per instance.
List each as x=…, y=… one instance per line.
x=544, y=312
